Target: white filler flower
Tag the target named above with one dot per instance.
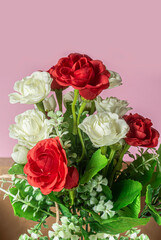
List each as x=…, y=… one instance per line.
x=32, y=89
x=30, y=128
x=104, y=129
x=115, y=80
x=19, y=154
x=113, y=105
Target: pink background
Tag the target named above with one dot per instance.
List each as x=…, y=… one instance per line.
x=125, y=35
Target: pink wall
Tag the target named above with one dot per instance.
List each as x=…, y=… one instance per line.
x=125, y=34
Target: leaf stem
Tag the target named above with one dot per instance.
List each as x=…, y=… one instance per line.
x=105, y=170
x=59, y=98
x=76, y=94
x=92, y=110
x=103, y=150
x=119, y=163
x=79, y=131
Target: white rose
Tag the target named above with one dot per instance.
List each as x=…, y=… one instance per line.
x=30, y=128
x=49, y=103
x=104, y=129
x=115, y=79
x=19, y=154
x=113, y=105
x=32, y=89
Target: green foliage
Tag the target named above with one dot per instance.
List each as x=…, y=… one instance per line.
x=28, y=202
x=117, y=225
x=152, y=208
x=107, y=192
x=54, y=198
x=156, y=177
x=132, y=210
x=84, y=234
x=125, y=192
x=16, y=169
x=30, y=212
x=141, y=169
x=65, y=211
x=96, y=163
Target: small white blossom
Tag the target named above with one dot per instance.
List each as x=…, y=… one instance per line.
x=100, y=181
x=64, y=220
x=35, y=235
x=66, y=229
x=102, y=236
x=32, y=89
x=104, y=129
x=24, y=237
x=30, y=128
x=113, y=105
x=105, y=208
x=143, y=237
x=115, y=79
x=93, y=201
x=132, y=233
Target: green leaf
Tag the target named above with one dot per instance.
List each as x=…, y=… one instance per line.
x=96, y=163
x=149, y=194
x=125, y=192
x=118, y=225
x=152, y=210
x=155, y=214
x=16, y=169
x=156, y=179
x=133, y=209
x=54, y=198
x=65, y=211
x=107, y=191
x=29, y=213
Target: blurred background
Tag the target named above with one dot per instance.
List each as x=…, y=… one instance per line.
x=125, y=35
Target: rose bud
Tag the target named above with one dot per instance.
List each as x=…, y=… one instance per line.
x=72, y=178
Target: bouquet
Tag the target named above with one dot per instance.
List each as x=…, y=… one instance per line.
x=73, y=158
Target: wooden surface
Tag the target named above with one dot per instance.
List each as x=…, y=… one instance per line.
x=12, y=227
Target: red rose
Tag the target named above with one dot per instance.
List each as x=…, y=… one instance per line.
x=72, y=178
x=89, y=76
x=47, y=166
x=141, y=133
x=54, y=84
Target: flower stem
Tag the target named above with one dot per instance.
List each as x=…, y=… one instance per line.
x=105, y=170
x=76, y=93
x=103, y=150
x=79, y=131
x=59, y=98
x=92, y=108
x=72, y=196
x=119, y=163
